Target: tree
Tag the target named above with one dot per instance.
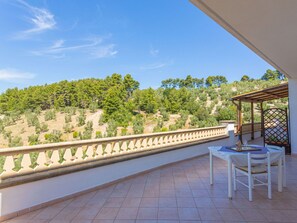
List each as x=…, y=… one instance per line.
x=281, y=76
x=270, y=75
x=215, y=80
x=226, y=113
x=138, y=123
x=245, y=78
x=146, y=100
x=114, y=99
x=130, y=84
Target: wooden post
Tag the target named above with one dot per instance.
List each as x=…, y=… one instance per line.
x=252, y=123
x=240, y=120
x=262, y=120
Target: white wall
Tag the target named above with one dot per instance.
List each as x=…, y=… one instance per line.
x=23, y=196
x=293, y=114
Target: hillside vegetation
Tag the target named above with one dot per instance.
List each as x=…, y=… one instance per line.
x=96, y=108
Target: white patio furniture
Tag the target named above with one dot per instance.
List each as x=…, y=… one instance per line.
x=228, y=156
x=275, y=164
x=258, y=165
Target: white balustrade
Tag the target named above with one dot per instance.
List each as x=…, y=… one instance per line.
x=35, y=159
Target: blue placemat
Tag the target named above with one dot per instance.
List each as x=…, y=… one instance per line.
x=262, y=150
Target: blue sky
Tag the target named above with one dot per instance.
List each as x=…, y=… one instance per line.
x=49, y=41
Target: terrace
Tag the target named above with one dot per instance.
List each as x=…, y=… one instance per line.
x=162, y=176
x=175, y=192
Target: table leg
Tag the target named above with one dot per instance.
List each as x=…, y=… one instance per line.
x=280, y=176
x=229, y=179
x=210, y=168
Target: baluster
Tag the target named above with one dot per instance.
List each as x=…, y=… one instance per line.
x=180, y=137
x=165, y=140
x=99, y=151
x=25, y=164
x=124, y=147
x=116, y=148
x=160, y=140
x=137, y=144
x=55, y=158
x=8, y=167
x=108, y=149
x=149, y=143
x=155, y=142
x=68, y=158
x=144, y=143
x=131, y=146
x=42, y=160
x=89, y=153
x=79, y=155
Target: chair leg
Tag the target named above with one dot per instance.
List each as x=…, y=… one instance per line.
x=280, y=176
x=269, y=183
x=284, y=172
x=250, y=178
x=253, y=187
x=234, y=178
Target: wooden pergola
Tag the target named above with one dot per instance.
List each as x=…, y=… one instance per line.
x=259, y=96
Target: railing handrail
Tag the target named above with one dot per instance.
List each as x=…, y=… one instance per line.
x=53, y=146
x=58, y=158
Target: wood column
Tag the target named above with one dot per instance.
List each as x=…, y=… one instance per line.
x=262, y=120
x=240, y=120
x=252, y=121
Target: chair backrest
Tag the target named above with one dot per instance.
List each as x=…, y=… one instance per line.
x=259, y=158
x=275, y=147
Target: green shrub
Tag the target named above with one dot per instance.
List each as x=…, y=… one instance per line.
x=33, y=140
x=67, y=128
x=98, y=135
x=7, y=134
x=93, y=107
x=89, y=126
x=50, y=115
x=103, y=119
x=164, y=114
x=124, y=131
x=32, y=119
x=75, y=135
x=15, y=141
x=54, y=136
x=70, y=111
x=85, y=135
x=138, y=124
x=68, y=118
x=81, y=119
x=111, y=129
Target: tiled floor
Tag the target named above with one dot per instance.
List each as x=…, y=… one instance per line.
x=176, y=193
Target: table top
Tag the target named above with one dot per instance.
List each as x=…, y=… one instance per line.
x=224, y=153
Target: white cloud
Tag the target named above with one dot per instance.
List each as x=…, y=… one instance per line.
x=57, y=44
x=104, y=51
x=41, y=19
x=15, y=76
x=154, y=52
x=153, y=66
x=92, y=46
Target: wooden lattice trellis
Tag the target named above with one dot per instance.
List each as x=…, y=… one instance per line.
x=276, y=128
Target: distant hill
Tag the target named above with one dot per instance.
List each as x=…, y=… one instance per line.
x=95, y=108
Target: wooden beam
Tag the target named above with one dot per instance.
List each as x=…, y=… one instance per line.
x=240, y=119
x=253, y=121
x=262, y=121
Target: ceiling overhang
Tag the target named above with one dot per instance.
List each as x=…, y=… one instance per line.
x=268, y=27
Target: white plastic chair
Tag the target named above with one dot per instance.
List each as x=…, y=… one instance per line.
x=275, y=164
x=257, y=165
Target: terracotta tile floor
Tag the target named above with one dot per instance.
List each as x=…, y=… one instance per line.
x=176, y=193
